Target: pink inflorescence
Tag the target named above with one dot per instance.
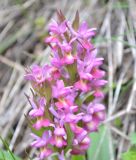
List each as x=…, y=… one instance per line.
x=66, y=102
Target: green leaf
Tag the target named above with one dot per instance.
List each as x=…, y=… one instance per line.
x=101, y=145
x=88, y=97
x=8, y=155
x=78, y=157
x=70, y=137
x=5, y=155
x=118, y=122
x=76, y=21
x=130, y=154
x=133, y=138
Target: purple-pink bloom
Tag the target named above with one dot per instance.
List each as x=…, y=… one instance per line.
x=65, y=47
x=56, y=28
x=45, y=152
x=98, y=93
x=97, y=73
x=59, y=138
x=38, y=74
x=61, y=156
x=94, y=114
x=66, y=102
x=41, y=141
x=56, y=60
x=81, y=147
x=63, y=91
x=42, y=123
x=82, y=35
x=83, y=31
x=82, y=85
x=56, y=31
x=63, y=103
x=38, y=109
x=68, y=59
x=84, y=70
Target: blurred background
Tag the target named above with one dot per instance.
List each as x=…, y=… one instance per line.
x=23, y=27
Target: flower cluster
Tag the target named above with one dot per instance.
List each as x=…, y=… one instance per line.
x=66, y=103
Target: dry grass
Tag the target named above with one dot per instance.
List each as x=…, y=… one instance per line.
x=22, y=30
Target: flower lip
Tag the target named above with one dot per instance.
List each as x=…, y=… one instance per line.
x=59, y=131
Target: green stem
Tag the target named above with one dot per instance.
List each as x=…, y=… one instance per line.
x=78, y=157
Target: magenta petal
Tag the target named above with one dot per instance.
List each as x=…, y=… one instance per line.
x=98, y=107
x=100, y=116
x=41, y=123
x=68, y=59
x=29, y=76
x=70, y=117
x=98, y=93
x=59, y=131
x=74, y=108
x=98, y=73
x=59, y=141
x=36, y=113
x=53, y=26
x=51, y=39
x=98, y=61
x=63, y=91
x=92, y=126
x=62, y=27
x=42, y=102
x=61, y=156
x=86, y=44
x=82, y=86
x=54, y=112
x=62, y=104
x=100, y=82
x=65, y=47
x=84, y=145
x=87, y=118
x=83, y=27
x=86, y=76
x=46, y=152
x=90, y=33
x=82, y=135
x=38, y=143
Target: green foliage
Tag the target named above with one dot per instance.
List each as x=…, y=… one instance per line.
x=100, y=145
x=78, y=157
x=6, y=155
x=133, y=138
x=88, y=97
x=70, y=137
x=130, y=154
x=118, y=122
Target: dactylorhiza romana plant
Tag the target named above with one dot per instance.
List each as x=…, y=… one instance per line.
x=67, y=94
